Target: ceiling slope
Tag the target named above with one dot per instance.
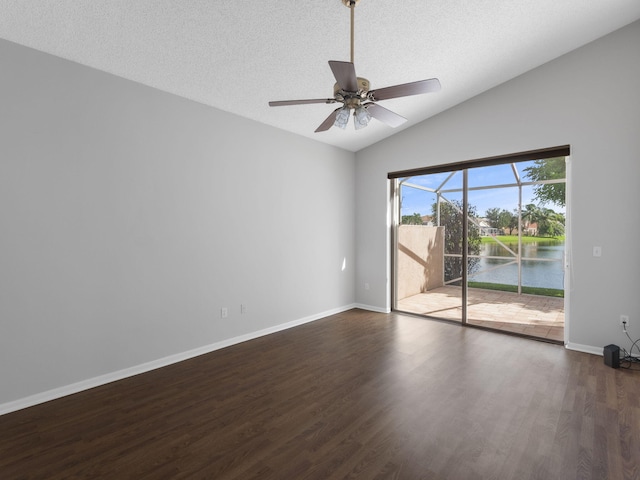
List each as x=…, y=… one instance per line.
x=237, y=56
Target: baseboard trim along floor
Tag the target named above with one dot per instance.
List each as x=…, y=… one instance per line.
x=159, y=363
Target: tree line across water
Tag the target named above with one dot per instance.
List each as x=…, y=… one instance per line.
x=536, y=221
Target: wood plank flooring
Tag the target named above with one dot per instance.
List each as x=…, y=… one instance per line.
x=356, y=395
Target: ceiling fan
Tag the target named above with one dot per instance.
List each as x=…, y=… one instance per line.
x=354, y=93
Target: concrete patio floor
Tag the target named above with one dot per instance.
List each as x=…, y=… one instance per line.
x=533, y=315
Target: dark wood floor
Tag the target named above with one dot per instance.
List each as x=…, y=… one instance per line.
x=356, y=395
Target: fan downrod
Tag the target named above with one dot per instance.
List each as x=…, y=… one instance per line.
x=351, y=4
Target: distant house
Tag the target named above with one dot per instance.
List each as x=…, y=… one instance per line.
x=531, y=229
x=486, y=229
x=427, y=220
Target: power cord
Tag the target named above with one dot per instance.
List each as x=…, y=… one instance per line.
x=627, y=360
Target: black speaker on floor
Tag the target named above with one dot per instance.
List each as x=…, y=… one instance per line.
x=612, y=356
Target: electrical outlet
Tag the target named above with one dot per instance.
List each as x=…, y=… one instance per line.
x=224, y=312
x=243, y=308
x=624, y=320
x=366, y=286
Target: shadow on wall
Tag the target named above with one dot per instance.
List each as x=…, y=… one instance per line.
x=420, y=265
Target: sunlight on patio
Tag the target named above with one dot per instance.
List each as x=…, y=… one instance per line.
x=533, y=315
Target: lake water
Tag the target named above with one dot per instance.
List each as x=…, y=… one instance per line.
x=534, y=274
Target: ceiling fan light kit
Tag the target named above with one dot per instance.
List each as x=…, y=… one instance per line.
x=342, y=118
x=354, y=93
x=361, y=117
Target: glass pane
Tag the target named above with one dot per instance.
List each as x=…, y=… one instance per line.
x=492, y=176
x=545, y=270
x=500, y=277
x=428, y=267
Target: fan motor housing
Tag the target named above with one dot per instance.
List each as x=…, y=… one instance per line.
x=363, y=86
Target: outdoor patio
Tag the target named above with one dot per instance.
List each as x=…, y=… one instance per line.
x=533, y=315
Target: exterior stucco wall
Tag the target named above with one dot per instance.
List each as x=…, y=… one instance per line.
x=420, y=259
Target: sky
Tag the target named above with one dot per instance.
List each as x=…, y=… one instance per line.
x=419, y=201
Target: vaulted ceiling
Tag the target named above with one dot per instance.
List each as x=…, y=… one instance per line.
x=237, y=56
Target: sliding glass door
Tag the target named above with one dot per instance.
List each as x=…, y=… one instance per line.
x=429, y=245
x=484, y=245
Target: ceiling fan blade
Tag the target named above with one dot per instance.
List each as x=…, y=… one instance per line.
x=283, y=103
x=405, y=90
x=385, y=116
x=345, y=74
x=328, y=123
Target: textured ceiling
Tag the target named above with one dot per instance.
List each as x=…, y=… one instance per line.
x=236, y=56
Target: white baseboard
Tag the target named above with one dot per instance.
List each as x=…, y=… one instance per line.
x=159, y=363
x=372, y=308
x=584, y=348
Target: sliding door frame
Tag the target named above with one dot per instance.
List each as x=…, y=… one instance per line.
x=394, y=178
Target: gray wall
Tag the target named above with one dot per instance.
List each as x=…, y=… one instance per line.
x=589, y=99
x=130, y=216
